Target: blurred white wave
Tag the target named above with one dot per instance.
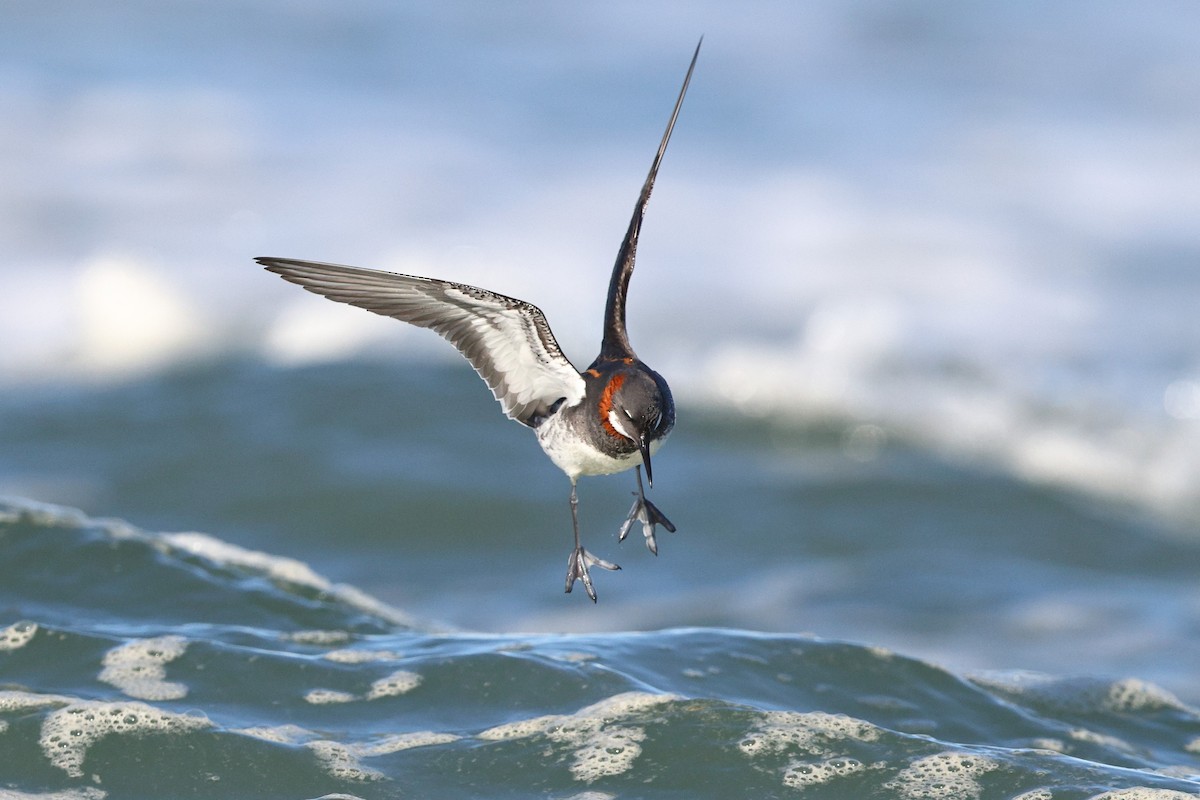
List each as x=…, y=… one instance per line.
x=973, y=228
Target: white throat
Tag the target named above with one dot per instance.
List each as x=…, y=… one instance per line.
x=620, y=424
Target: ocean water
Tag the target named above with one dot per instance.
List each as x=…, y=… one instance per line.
x=332, y=592
x=923, y=280
x=179, y=665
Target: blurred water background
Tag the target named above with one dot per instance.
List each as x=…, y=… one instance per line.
x=922, y=276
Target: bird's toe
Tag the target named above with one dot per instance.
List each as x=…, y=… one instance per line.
x=577, y=570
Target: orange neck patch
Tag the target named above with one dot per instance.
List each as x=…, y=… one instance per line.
x=606, y=404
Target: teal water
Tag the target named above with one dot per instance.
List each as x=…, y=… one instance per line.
x=301, y=582
x=155, y=665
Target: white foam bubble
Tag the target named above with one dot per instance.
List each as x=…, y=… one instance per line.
x=798, y=774
x=341, y=759
x=138, y=668
x=522, y=728
x=603, y=740
x=1084, y=693
x=344, y=759
x=341, y=762
x=14, y=700
x=609, y=751
x=317, y=637
x=68, y=732
x=943, y=775
x=814, y=733
x=82, y=793
x=403, y=741
x=398, y=683
x=324, y=697
x=355, y=656
x=17, y=635
x=278, y=734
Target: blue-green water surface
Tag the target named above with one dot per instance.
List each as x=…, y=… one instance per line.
x=372, y=607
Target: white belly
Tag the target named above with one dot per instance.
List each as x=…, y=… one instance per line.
x=576, y=457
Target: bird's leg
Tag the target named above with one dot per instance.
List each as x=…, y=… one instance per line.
x=647, y=513
x=580, y=560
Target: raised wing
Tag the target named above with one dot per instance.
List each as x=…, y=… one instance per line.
x=615, y=344
x=506, y=340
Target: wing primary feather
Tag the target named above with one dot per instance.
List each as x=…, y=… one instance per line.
x=615, y=344
x=507, y=341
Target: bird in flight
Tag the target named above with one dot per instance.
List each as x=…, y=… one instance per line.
x=612, y=416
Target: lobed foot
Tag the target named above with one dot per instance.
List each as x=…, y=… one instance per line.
x=577, y=569
x=648, y=514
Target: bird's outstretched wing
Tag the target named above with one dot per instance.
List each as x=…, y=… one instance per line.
x=615, y=344
x=507, y=341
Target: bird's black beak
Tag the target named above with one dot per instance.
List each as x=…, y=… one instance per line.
x=644, y=446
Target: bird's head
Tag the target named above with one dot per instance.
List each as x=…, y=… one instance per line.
x=637, y=406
